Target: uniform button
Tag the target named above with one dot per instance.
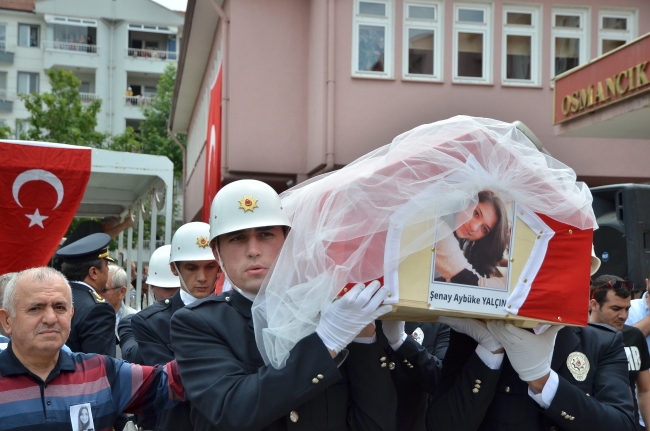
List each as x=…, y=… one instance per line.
x=383, y=364
x=475, y=390
x=382, y=359
x=563, y=414
x=228, y=300
x=49, y=403
x=477, y=381
x=507, y=389
x=315, y=380
x=588, y=395
x=405, y=361
x=320, y=377
x=410, y=366
x=477, y=386
x=391, y=365
x=166, y=301
x=571, y=418
x=294, y=416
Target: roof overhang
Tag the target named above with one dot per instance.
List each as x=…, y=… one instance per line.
x=201, y=21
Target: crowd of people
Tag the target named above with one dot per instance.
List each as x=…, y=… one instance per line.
x=190, y=361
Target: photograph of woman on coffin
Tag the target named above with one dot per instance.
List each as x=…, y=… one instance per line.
x=475, y=253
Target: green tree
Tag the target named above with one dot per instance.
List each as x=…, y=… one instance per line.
x=60, y=116
x=153, y=130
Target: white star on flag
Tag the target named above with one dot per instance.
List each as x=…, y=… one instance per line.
x=36, y=218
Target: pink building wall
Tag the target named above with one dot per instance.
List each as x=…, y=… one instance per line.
x=277, y=122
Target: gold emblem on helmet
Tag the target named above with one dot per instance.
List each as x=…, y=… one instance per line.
x=248, y=203
x=202, y=242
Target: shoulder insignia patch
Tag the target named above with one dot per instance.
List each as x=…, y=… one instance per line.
x=97, y=296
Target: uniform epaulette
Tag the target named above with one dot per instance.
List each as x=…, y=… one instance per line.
x=155, y=308
x=603, y=326
x=96, y=297
x=209, y=299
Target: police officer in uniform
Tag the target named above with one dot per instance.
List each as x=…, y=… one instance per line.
x=407, y=365
x=85, y=264
x=224, y=375
x=192, y=263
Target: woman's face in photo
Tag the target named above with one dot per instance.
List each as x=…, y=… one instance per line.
x=482, y=221
x=83, y=415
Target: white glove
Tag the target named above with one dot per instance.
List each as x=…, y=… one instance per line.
x=394, y=331
x=475, y=329
x=529, y=354
x=346, y=317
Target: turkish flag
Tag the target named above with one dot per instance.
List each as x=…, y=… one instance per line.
x=212, y=182
x=41, y=187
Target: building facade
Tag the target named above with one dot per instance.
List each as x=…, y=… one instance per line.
x=309, y=86
x=110, y=46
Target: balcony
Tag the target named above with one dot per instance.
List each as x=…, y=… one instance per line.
x=152, y=54
x=6, y=101
x=88, y=97
x=148, y=60
x=68, y=54
x=138, y=100
x=83, y=48
x=5, y=57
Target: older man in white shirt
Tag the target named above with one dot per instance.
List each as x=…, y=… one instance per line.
x=114, y=293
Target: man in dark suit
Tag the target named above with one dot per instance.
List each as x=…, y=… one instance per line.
x=583, y=387
x=85, y=264
x=193, y=265
x=406, y=366
x=224, y=375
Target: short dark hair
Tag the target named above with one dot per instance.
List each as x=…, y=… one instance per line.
x=79, y=271
x=599, y=289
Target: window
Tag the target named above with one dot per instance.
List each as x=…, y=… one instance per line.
x=372, y=50
x=569, y=45
x=3, y=85
x=22, y=126
x=422, y=40
x=27, y=82
x=615, y=28
x=521, y=45
x=472, y=58
x=3, y=37
x=29, y=35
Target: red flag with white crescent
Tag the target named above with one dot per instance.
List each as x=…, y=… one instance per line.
x=212, y=182
x=41, y=187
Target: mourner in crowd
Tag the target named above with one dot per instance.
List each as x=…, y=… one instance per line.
x=610, y=303
x=85, y=264
x=191, y=260
x=226, y=381
x=44, y=387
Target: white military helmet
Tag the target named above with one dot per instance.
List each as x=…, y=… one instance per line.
x=245, y=204
x=160, y=274
x=190, y=242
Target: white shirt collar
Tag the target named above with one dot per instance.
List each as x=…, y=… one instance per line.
x=187, y=298
x=86, y=284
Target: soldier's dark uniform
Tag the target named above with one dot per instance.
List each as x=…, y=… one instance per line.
x=151, y=331
x=473, y=397
x=406, y=365
x=93, y=323
x=230, y=388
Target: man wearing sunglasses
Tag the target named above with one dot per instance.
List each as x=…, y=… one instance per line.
x=610, y=304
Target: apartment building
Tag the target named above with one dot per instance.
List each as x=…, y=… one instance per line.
x=110, y=46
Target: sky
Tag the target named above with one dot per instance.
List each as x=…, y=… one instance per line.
x=173, y=4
